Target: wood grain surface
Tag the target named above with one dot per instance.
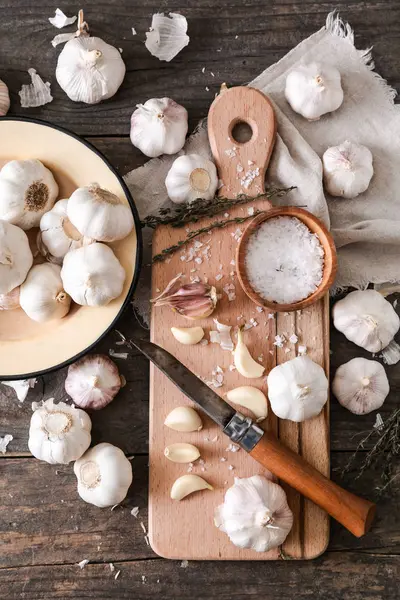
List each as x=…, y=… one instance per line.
x=351, y=569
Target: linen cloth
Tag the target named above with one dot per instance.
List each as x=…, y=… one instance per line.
x=366, y=229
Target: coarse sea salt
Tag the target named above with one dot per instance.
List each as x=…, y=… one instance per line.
x=284, y=260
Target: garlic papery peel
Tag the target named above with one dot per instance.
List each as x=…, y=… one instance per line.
x=104, y=475
x=4, y=99
x=58, y=235
x=61, y=20
x=244, y=362
x=59, y=433
x=361, y=385
x=297, y=389
x=313, y=90
x=348, y=169
x=188, y=336
x=167, y=35
x=188, y=484
x=15, y=257
x=92, y=275
x=27, y=190
x=252, y=398
x=159, y=126
x=191, y=177
x=99, y=214
x=42, y=296
x=93, y=381
x=366, y=319
x=191, y=300
x=21, y=387
x=391, y=354
x=183, y=418
x=10, y=301
x=36, y=93
x=181, y=452
x=255, y=514
x=222, y=336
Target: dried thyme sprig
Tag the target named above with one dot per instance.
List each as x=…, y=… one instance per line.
x=383, y=453
x=191, y=213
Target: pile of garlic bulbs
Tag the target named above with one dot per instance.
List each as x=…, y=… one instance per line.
x=72, y=238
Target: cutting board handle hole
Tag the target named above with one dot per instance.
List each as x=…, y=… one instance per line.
x=242, y=131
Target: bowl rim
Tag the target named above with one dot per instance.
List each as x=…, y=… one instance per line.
x=139, y=249
x=327, y=243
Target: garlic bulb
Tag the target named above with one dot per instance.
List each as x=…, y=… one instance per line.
x=92, y=275
x=348, y=169
x=27, y=191
x=159, y=126
x=10, y=301
x=297, y=389
x=313, y=90
x=188, y=484
x=250, y=397
x=191, y=300
x=361, y=385
x=104, y=475
x=366, y=319
x=57, y=234
x=190, y=177
x=183, y=418
x=4, y=99
x=244, y=362
x=59, y=433
x=255, y=514
x=15, y=257
x=93, y=381
x=89, y=70
x=99, y=214
x=42, y=296
x=189, y=336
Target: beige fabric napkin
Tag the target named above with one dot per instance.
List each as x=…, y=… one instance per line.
x=367, y=228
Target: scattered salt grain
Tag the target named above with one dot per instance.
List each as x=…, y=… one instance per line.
x=135, y=511
x=134, y=32
x=112, y=568
x=83, y=563
x=207, y=88
x=249, y=177
x=4, y=441
x=279, y=341
x=259, y=309
x=198, y=260
x=231, y=152
x=204, y=342
x=184, y=564
x=250, y=211
x=239, y=168
x=271, y=315
x=287, y=350
x=284, y=260
x=232, y=448
x=226, y=215
x=302, y=350
x=230, y=291
x=232, y=262
x=232, y=368
x=218, y=277
x=293, y=338
x=231, y=467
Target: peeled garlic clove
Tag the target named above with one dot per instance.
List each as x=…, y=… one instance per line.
x=4, y=99
x=183, y=418
x=93, y=381
x=191, y=176
x=252, y=398
x=361, y=385
x=188, y=484
x=189, y=336
x=10, y=301
x=347, y=169
x=42, y=296
x=15, y=257
x=182, y=452
x=244, y=362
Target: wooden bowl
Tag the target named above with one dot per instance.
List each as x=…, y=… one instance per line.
x=314, y=225
x=27, y=348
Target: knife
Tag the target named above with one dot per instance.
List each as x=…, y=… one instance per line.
x=354, y=513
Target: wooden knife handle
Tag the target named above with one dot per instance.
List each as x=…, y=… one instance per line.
x=354, y=513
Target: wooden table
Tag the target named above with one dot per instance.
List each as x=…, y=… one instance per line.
x=45, y=529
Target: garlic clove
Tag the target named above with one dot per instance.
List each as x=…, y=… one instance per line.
x=10, y=301
x=252, y=398
x=244, y=362
x=192, y=300
x=191, y=177
x=361, y=385
x=15, y=257
x=188, y=336
x=182, y=452
x=188, y=484
x=184, y=418
x=93, y=381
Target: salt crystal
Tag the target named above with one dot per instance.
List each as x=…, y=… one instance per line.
x=218, y=277
x=250, y=162
x=112, y=568
x=83, y=563
x=287, y=350
x=134, y=31
x=293, y=338
x=302, y=350
x=204, y=342
x=271, y=315
x=250, y=211
x=232, y=448
x=232, y=368
x=198, y=260
x=231, y=467
x=223, y=459
x=279, y=341
x=230, y=152
x=135, y=511
x=207, y=88
x=239, y=168
x=226, y=215
x=259, y=309
x=184, y=564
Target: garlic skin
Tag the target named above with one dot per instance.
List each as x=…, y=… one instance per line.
x=99, y=214
x=361, y=385
x=104, y=475
x=15, y=257
x=4, y=99
x=92, y=275
x=252, y=398
x=182, y=453
x=190, y=177
x=93, y=381
x=159, y=126
x=297, y=389
x=244, y=362
x=366, y=319
x=192, y=300
x=10, y=301
x=27, y=190
x=42, y=296
x=57, y=234
x=347, y=169
x=59, y=433
x=89, y=70
x=184, y=418
x=188, y=484
x=313, y=90
x=188, y=336
x=255, y=514
x=21, y=387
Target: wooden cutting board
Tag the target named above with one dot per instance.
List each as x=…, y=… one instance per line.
x=185, y=530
